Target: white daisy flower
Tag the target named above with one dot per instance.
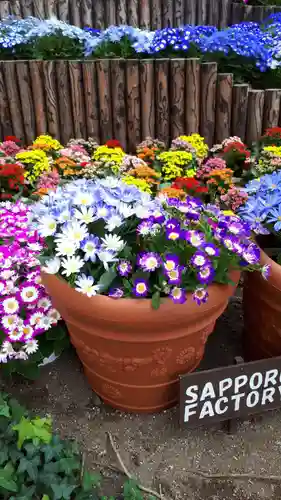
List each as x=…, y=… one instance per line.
x=113, y=243
x=35, y=318
x=45, y=323
x=21, y=355
x=84, y=214
x=66, y=247
x=54, y=315
x=83, y=199
x=113, y=222
x=7, y=349
x=27, y=331
x=44, y=303
x=7, y=274
x=107, y=256
x=75, y=231
x=126, y=210
x=71, y=265
x=31, y=346
x=10, y=321
x=47, y=226
x=52, y=266
x=29, y=294
x=10, y=305
x=85, y=284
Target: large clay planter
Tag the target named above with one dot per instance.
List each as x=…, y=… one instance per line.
x=262, y=312
x=132, y=354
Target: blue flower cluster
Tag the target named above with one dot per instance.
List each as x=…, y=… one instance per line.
x=263, y=207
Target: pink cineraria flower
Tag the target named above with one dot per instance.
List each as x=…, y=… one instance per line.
x=234, y=198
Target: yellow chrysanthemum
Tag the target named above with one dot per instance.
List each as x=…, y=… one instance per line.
x=175, y=164
x=113, y=155
x=47, y=143
x=36, y=162
x=275, y=150
x=139, y=183
x=198, y=143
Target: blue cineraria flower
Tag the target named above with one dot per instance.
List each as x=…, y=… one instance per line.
x=274, y=217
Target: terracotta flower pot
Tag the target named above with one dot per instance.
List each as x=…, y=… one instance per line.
x=262, y=312
x=132, y=354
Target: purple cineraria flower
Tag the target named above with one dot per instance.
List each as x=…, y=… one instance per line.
x=174, y=276
x=195, y=238
x=145, y=227
x=149, y=261
x=116, y=293
x=265, y=271
x=173, y=234
x=140, y=288
x=211, y=249
x=171, y=262
x=124, y=268
x=229, y=242
x=178, y=295
x=172, y=224
x=251, y=254
x=199, y=259
x=200, y=295
x=173, y=202
x=205, y=274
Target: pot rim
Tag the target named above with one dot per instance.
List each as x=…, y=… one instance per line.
x=274, y=277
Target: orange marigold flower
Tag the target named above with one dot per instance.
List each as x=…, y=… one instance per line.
x=173, y=193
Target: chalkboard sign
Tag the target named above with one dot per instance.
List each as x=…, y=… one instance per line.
x=230, y=392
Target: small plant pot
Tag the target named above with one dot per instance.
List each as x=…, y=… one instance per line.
x=132, y=354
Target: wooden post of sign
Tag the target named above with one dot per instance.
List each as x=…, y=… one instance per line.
x=231, y=425
x=223, y=106
x=167, y=13
x=190, y=12
x=133, y=104
x=64, y=101
x=147, y=88
x=239, y=109
x=177, y=85
x=156, y=21
x=271, y=108
x=75, y=15
x=162, y=99
x=118, y=85
x=91, y=99
x=38, y=91
x=192, y=97
x=178, y=13
x=208, y=101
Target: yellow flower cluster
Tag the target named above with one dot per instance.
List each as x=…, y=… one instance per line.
x=274, y=150
x=105, y=154
x=47, y=143
x=198, y=143
x=141, y=184
x=37, y=162
x=175, y=164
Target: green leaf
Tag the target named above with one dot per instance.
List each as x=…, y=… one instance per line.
x=4, y=410
x=68, y=465
x=156, y=300
x=35, y=429
x=45, y=497
x=106, y=279
x=6, y=478
x=29, y=370
x=17, y=410
x=26, y=465
x=90, y=481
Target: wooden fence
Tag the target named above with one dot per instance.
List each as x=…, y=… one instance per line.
x=153, y=14
x=129, y=100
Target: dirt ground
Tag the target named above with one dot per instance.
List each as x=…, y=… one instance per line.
x=154, y=448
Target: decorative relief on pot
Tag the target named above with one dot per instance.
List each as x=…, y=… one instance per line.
x=186, y=355
x=111, y=391
x=159, y=371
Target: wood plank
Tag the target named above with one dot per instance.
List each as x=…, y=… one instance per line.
x=190, y=13
x=271, y=108
x=15, y=6
x=4, y=9
x=239, y=110
x=51, y=8
x=104, y=92
x=39, y=9
x=237, y=14
x=77, y=98
x=64, y=101
x=38, y=90
x=223, y=106
x=133, y=104
x=144, y=14
x=162, y=99
x=5, y=117
x=75, y=12
x=133, y=12
x=214, y=12
x=26, y=101
x=225, y=12
x=99, y=14
x=167, y=14
x=91, y=99
x=178, y=13
x=177, y=97
x=118, y=85
x=254, y=115
x=258, y=13
x=110, y=12
x=121, y=12
x=49, y=84
x=202, y=11
x=156, y=19
x=248, y=13
x=10, y=78
x=63, y=10
x=208, y=101
x=27, y=8
x=192, y=95
x=147, y=88
x=87, y=13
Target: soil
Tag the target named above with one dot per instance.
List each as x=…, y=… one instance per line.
x=154, y=448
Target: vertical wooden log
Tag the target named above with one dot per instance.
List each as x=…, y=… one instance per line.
x=214, y=12
x=162, y=99
x=133, y=104
x=77, y=98
x=75, y=14
x=15, y=6
x=133, y=13
x=225, y=11
x=63, y=10
x=64, y=101
x=26, y=101
x=178, y=13
x=121, y=12
x=49, y=83
x=99, y=14
x=110, y=12
x=190, y=13
x=208, y=101
x=192, y=95
x=202, y=11
x=118, y=85
x=223, y=107
x=4, y=9
x=39, y=9
x=51, y=8
x=144, y=13
x=27, y=8
x=258, y=13
x=248, y=13
x=10, y=78
x=38, y=90
x=254, y=115
x=156, y=20
x=91, y=99
x=177, y=96
x=5, y=117
x=271, y=108
x=237, y=13
x=87, y=13
x=147, y=87
x=167, y=13
x=104, y=93
x=239, y=110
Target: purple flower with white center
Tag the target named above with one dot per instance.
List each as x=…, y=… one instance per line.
x=199, y=259
x=173, y=202
x=140, y=288
x=173, y=234
x=265, y=271
x=195, y=238
x=124, y=268
x=172, y=224
x=171, y=262
x=200, y=295
x=145, y=227
x=211, y=249
x=178, y=295
x=236, y=227
x=90, y=246
x=149, y=261
x=228, y=242
x=174, y=276
x=252, y=254
x=206, y=274
x=116, y=293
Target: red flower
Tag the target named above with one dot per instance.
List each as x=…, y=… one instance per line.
x=273, y=132
x=189, y=184
x=12, y=138
x=84, y=163
x=113, y=143
x=237, y=147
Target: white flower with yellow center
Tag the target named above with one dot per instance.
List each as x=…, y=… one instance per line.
x=29, y=294
x=31, y=346
x=83, y=199
x=66, y=247
x=113, y=243
x=84, y=214
x=47, y=226
x=51, y=266
x=27, y=331
x=54, y=315
x=85, y=284
x=71, y=265
x=10, y=321
x=10, y=305
x=75, y=232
